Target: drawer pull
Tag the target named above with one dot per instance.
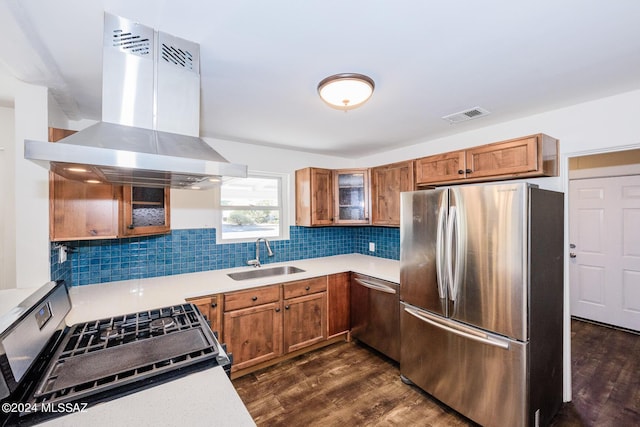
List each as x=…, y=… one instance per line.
x=254, y=298
x=214, y=305
x=286, y=307
x=306, y=288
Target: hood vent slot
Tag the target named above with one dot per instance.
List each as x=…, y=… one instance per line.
x=463, y=116
x=136, y=43
x=177, y=56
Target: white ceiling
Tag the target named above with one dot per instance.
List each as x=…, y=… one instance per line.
x=261, y=61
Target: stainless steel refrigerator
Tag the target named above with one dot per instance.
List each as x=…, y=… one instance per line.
x=481, y=289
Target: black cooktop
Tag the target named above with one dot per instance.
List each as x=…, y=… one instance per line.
x=108, y=358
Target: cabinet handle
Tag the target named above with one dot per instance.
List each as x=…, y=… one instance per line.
x=306, y=288
x=460, y=172
x=286, y=307
x=278, y=310
x=214, y=305
x=468, y=171
x=254, y=298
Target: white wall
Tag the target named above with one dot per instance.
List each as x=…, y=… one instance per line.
x=195, y=209
x=591, y=126
x=31, y=189
x=7, y=194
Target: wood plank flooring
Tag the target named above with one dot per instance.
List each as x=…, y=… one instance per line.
x=347, y=384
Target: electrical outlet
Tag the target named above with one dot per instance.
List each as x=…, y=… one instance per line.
x=62, y=254
x=372, y=247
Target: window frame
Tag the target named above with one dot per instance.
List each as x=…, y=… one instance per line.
x=283, y=206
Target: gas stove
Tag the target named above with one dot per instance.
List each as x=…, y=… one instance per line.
x=45, y=363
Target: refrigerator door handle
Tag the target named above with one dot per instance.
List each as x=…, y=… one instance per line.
x=376, y=286
x=451, y=279
x=458, y=329
x=441, y=253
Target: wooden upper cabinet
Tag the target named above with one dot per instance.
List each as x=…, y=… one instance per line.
x=56, y=134
x=441, y=167
x=387, y=182
x=351, y=196
x=314, y=197
x=514, y=157
x=530, y=156
x=78, y=210
x=145, y=211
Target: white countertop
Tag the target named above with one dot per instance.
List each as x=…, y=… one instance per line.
x=91, y=302
x=199, y=399
x=203, y=398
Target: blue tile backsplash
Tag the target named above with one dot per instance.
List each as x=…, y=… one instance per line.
x=187, y=251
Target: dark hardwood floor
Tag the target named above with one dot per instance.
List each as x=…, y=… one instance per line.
x=347, y=384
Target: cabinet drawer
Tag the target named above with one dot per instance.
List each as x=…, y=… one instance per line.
x=251, y=297
x=305, y=287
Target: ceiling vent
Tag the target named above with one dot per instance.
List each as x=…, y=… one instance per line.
x=463, y=116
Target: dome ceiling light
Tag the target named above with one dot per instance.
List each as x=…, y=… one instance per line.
x=346, y=91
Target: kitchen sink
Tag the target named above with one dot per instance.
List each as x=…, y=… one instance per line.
x=265, y=272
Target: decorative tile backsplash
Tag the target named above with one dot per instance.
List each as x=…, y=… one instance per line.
x=186, y=251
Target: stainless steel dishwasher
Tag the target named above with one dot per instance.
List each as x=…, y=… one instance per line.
x=375, y=314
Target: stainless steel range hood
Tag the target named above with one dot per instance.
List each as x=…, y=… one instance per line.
x=150, y=117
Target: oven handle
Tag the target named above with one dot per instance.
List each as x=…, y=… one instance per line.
x=376, y=286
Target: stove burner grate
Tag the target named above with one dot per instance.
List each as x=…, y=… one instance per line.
x=125, y=350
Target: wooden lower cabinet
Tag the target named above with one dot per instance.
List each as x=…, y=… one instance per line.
x=210, y=309
x=253, y=335
x=262, y=324
x=252, y=325
x=304, y=321
x=338, y=298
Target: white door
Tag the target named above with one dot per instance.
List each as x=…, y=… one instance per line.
x=604, y=228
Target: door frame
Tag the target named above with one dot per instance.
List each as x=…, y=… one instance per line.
x=564, y=172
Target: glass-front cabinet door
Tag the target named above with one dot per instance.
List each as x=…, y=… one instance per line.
x=351, y=192
x=145, y=211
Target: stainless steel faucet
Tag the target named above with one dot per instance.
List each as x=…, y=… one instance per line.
x=256, y=262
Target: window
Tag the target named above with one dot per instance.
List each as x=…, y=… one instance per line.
x=251, y=207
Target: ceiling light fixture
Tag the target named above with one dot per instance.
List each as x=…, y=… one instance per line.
x=346, y=91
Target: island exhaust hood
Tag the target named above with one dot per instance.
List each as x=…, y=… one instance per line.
x=149, y=134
